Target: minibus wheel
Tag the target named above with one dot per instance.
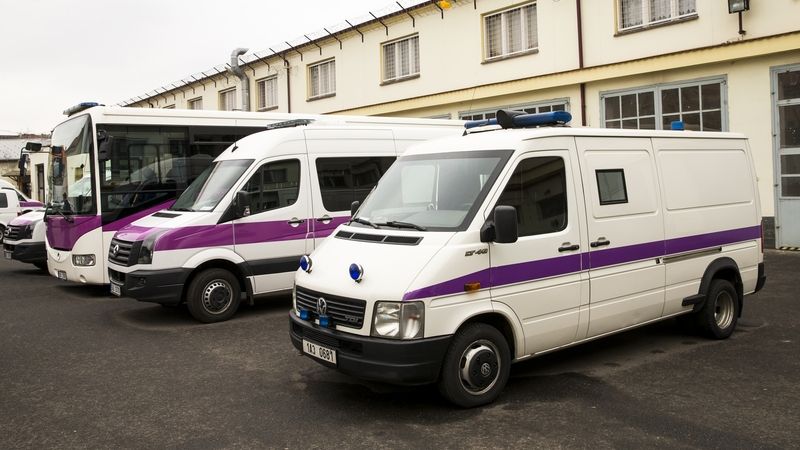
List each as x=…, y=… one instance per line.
x=2, y=234
x=476, y=366
x=720, y=313
x=213, y=295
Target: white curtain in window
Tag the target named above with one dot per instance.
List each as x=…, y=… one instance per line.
x=271, y=92
x=389, y=63
x=630, y=13
x=494, y=45
x=660, y=10
x=315, y=81
x=405, y=61
x=686, y=7
x=532, y=30
x=513, y=31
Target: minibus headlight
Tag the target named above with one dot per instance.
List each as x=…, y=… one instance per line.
x=83, y=260
x=146, y=250
x=399, y=320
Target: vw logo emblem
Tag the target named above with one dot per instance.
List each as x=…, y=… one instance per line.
x=115, y=250
x=486, y=369
x=322, y=306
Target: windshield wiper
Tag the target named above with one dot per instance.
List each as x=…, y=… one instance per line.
x=66, y=217
x=181, y=209
x=396, y=224
x=363, y=221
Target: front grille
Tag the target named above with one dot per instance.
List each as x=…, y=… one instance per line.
x=347, y=312
x=379, y=238
x=120, y=252
x=117, y=277
x=17, y=232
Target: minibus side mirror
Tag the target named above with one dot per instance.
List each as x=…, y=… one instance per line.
x=505, y=225
x=354, y=207
x=104, y=143
x=242, y=204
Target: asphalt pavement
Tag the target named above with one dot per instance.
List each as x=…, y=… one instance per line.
x=79, y=368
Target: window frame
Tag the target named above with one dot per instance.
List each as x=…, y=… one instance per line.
x=463, y=115
x=192, y=101
x=646, y=23
x=260, y=172
x=4, y=199
x=620, y=171
x=223, y=93
x=261, y=85
x=399, y=78
x=504, y=53
x=310, y=78
x=657, y=90
x=321, y=173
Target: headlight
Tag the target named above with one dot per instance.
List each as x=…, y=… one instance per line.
x=83, y=260
x=399, y=320
x=146, y=250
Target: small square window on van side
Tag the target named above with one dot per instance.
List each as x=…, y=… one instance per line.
x=611, y=186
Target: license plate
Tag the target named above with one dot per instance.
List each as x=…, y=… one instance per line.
x=7, y=255
x=319, y=352
x=62, y=275
x=116, y=289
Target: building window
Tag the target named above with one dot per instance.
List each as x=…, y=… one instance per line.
x=227, y=100
x=401, y=59
x=642, y=13
x=268, y=93
x=531, y=108
x=699, y=105
x=510, y=32
x=195, y=103
x=322, y=79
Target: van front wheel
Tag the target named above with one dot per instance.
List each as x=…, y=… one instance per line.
x=213, y=296
x=720, y=313
x=476, y=366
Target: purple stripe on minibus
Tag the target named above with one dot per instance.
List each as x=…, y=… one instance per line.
x=127, y=220
x=62, y=235
x=31, y=204
x=533, y=270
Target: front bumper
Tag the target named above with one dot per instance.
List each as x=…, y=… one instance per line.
x=410, y=362
x=156, y=286
x=27, y=252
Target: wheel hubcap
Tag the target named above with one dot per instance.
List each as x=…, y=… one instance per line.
x=217, y=297
x=480, y=367
x=724, y=310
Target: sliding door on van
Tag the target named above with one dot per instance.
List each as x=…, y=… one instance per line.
x=539, y=276
x=345, y=165
x=625, y=228
x=272, y=237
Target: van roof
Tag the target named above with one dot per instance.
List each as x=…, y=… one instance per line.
x=496, y=138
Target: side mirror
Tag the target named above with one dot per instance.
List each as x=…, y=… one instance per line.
x=104, y=144
x=354, y=207
x=242, y=204
x=505, y=225
x=33, y=146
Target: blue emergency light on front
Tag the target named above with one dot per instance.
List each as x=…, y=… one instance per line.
x=521, y=119
x=305, y=314
x=677, y=125
x=324, y=321
x=306, y=263
x=356, y=272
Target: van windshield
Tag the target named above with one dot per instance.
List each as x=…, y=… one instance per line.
x=437, y=192
x=208, y=189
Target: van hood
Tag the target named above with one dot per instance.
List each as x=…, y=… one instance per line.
x=391, y=261
x=165, y=220
x=28, y=218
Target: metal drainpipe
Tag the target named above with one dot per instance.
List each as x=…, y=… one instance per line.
x=288, y=88
x=236, y=70
x=580, y=62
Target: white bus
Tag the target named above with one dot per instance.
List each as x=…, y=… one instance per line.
x=114, y=165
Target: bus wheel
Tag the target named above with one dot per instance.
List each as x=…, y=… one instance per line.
x=213, y=296
x=720, y=313
x=476, y=366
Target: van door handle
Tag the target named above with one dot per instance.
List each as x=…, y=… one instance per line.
x=600, y=242
x=295, y=222
x=567, y=247
x=326, y=219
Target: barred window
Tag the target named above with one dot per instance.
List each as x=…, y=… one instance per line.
x=699, y=105
x=639, y=13
x=511, y=31
x=322, y=79
x=401, y=59
x=195, y=103
x=227, y=100
x=268, y=93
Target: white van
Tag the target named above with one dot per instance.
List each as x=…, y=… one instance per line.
x=478, y=251
x=12, y=204
x=242, y=226
x=24, y=239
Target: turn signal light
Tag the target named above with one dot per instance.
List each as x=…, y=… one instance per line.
x=469, y=287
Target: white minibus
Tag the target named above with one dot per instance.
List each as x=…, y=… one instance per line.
x=13, y=203
x=478, y=251
x=24, y=239
x=240, y=229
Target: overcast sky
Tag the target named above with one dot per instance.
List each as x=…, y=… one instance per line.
x=57, y=53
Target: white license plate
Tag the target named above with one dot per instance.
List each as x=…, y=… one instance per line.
x=320, y=352
x=62, y=275
x=7, y=255
x=116, y=289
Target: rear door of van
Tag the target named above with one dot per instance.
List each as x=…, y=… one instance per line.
x=8, y=206
x=625, y=228
x=345, y=165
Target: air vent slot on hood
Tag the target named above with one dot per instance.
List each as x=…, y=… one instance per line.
x=166, y=215
x=379, y=238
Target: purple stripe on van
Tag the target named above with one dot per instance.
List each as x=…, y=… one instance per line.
x=532, y=270
x=62, y=235
x=324, y=230
x=31, y=204
x=127, y=220
x=22, y=221
x=219, y=235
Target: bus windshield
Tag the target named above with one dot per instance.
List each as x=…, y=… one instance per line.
x=209, y=188
x=73, y=191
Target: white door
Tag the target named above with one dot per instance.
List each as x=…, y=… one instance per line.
x=786, y=98
x=273, y=237
x=625, y=232
x=539, y=276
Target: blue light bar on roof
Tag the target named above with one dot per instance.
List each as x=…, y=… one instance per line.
x=479, y=123
x=520, y=119
x=80, y=107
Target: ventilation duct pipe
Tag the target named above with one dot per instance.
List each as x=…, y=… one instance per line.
x=235, y=69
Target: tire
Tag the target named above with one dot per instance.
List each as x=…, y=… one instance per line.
x=2, y=234
x=213, y=296
x=720, y=313
x=41, y=265
x=476, y=366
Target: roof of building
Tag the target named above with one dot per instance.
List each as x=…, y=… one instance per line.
x=9, y=148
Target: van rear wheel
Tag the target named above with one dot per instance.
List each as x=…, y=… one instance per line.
x=720, y=313
x=213, y=296
x=476, y=366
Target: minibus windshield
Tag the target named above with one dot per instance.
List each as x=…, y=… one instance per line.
x=436, y=192
x=208, y=189
x=72, y=182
